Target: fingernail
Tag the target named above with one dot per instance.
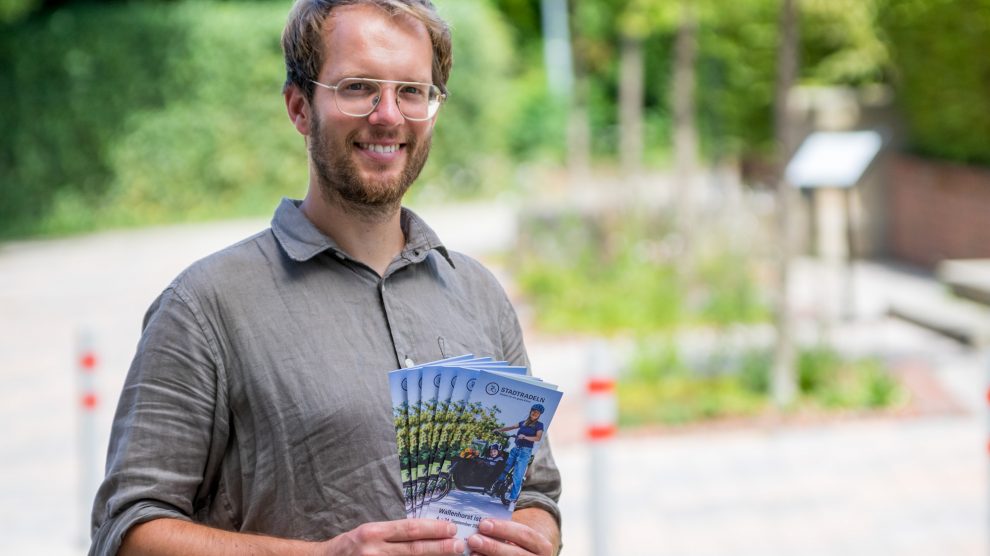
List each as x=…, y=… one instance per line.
x=451, y=529
x=475, y=541
x=485, y=526
x=459, y=546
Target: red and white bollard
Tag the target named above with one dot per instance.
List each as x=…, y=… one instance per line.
x=602, y=413
x=87, y=365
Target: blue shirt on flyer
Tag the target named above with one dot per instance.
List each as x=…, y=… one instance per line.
x=527, y=430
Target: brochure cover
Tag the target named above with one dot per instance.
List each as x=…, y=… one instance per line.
x=501, y=427
x=449, y=419
x=398, y=383
x=406, y=414
x=429, y=414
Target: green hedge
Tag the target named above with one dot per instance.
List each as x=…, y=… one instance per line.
x=131, y=114
x=940, y=50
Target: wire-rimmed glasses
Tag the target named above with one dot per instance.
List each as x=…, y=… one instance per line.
x=359, y=96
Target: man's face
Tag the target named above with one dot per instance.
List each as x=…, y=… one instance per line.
x=371, y=161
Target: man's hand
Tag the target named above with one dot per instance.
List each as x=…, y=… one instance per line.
x=531, y=531
x=421, y=537
x=173, y=537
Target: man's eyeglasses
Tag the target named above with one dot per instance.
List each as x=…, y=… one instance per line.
x=358, y=97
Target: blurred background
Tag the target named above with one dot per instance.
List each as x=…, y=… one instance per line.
x=764, y=220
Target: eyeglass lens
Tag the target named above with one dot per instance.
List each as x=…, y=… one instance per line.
x=359, y=97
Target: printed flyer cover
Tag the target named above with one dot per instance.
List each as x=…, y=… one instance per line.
x=451, y=417
x=501, y=428
x=405, y=386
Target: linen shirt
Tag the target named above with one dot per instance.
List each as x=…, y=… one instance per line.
x=258, y=398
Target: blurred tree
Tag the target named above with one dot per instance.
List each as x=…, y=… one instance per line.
x=939, y=52
x=784, y=381
x=15, y=10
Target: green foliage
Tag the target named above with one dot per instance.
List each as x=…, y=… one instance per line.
x=471, y=136
x=474, y=421
x=731, y=292
x=580, y=276
x=659, y=387
x=834, y=382
x=736, y=65
x=177, y=114
x=939, y=49
x=621, y=273
x=842, y=37
x=736, y=72
x=13, y=10
x=159, y=119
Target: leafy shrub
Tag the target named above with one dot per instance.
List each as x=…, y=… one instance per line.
x=612, y=273
x=939, y=49
x=138, y=113
x=659, y=387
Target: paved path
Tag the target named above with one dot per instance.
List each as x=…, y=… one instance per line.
x=877, y=487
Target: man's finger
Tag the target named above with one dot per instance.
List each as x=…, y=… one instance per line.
x=415, y=529
x=522, y=539
x=445, y=547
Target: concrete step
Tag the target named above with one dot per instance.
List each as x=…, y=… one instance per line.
x=967, y=278
x=964, y=321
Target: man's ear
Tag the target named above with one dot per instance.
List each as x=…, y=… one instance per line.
x=298, y=108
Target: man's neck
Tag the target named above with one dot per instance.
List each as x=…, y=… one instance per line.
x=373, y=237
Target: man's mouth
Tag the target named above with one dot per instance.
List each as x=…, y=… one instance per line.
x=381, y=149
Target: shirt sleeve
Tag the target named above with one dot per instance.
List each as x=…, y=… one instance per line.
x=169, y=429
x=541, y=488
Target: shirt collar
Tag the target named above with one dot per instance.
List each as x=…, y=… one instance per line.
x=302, y=241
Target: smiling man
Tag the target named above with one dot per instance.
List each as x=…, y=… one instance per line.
x=256, y=417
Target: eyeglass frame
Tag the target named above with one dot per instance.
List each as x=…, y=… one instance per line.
x=442, y=97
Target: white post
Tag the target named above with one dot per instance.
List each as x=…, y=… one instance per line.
x=87, y=364
x=602, y=412
x=986, y=361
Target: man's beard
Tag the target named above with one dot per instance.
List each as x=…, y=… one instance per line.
x=341, y=182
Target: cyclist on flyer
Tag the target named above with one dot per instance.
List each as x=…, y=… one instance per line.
x=530, y=432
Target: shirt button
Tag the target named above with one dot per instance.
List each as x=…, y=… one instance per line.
x=409, y=362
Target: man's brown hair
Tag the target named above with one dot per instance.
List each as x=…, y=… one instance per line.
x=302, y=39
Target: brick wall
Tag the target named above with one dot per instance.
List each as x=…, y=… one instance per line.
x=938, y=211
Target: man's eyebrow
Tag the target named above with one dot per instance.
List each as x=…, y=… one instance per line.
x=361, y=75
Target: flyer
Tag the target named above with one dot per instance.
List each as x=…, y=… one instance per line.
x=501, y=428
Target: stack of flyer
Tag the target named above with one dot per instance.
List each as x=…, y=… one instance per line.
x=467, y=429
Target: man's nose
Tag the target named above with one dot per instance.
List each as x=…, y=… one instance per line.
x=386, y=112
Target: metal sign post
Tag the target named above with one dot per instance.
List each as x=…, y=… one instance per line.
x=837, y=159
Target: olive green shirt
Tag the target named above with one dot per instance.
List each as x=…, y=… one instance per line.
x=258, y=399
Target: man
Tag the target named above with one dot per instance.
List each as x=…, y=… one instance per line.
x=256, y=417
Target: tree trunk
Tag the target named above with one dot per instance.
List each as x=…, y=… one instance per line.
x=631, y=105
x=685, y=123
x=784, y=382
x=579, y=132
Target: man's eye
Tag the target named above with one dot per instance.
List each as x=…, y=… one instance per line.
x=413, y=90
x=359, y=87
